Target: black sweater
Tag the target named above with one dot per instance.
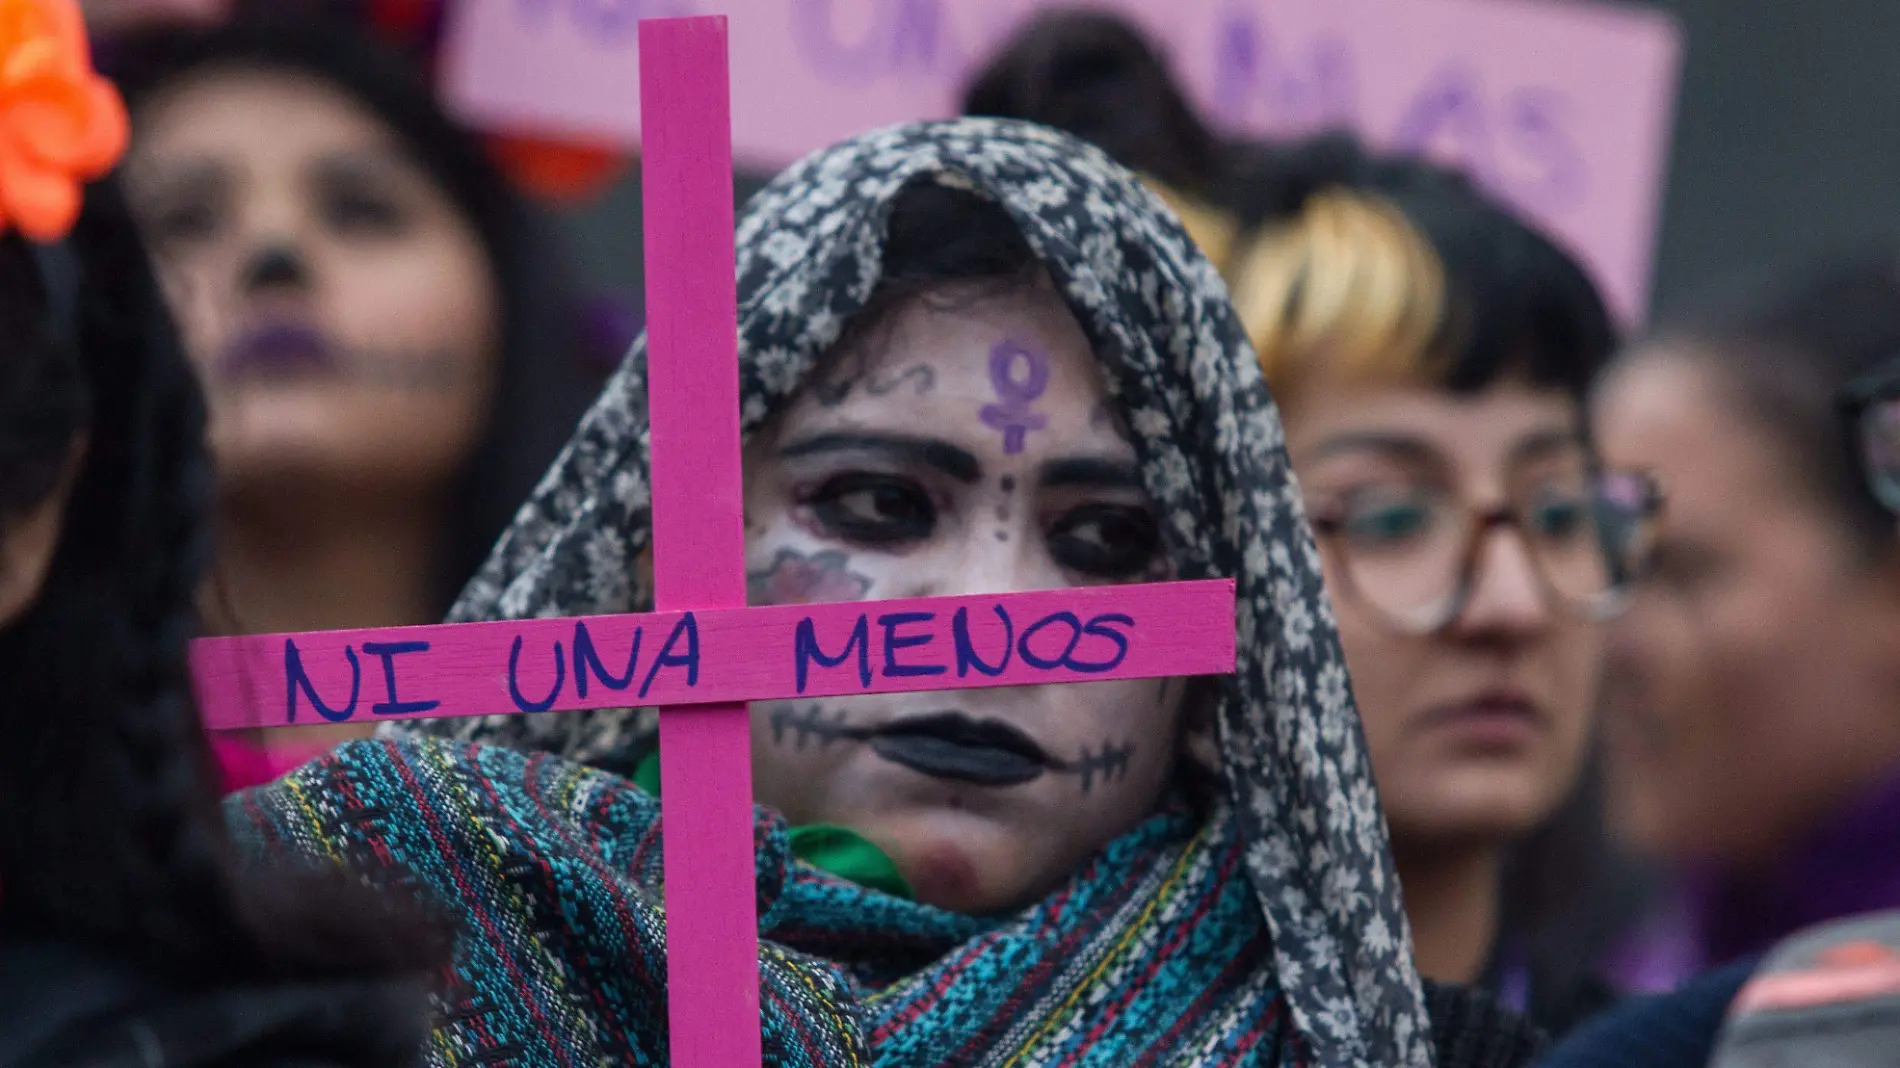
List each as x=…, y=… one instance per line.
x=63, y=1007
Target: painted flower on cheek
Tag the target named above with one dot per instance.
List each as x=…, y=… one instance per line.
x=61, y=124
x=795, y=578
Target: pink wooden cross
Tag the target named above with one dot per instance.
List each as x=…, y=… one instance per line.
x=703, y=654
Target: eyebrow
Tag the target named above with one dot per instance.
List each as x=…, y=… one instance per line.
x=1091, y=472
x=1544, y=443
x=171, y=180
x=1532, y=446
x=949, y=459
x=372, y=165
x=1401, y=445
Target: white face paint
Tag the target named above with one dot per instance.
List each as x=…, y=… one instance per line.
x=964, y=448
x=338, y=305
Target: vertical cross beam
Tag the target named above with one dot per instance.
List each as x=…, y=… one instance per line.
x=698, y=533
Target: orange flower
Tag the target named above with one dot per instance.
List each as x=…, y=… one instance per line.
x=61, y=124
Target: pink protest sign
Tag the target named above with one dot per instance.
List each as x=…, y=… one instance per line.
x=1563, y=109
x=715, y=656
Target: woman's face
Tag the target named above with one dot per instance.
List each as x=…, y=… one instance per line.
x=1476, y=730
x=340, y=309
x=1750, y=684
x=960, y=451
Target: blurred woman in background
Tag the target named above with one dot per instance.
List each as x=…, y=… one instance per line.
x=125, y=937
x=1430, y=352
x=386, y=361
x=1752, y=682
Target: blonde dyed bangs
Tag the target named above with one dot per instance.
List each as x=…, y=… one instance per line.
x=1347, y=287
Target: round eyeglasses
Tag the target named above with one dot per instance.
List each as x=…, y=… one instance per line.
x=1411, y=551
x=1871, y=407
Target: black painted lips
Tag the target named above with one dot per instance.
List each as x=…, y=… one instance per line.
x=951, y=745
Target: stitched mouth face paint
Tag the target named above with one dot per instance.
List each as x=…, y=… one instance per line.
x=953, y=745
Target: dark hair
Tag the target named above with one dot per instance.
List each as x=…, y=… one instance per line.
x=43, y=397
x=1784, y=354
x=1096, y=76
x=1513, y=303
x=948, y=246
x=943, y=243
x=542, y=386
x=1567, y=894
x=110, y=835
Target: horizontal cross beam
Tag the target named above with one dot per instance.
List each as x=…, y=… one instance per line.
x=711, y=656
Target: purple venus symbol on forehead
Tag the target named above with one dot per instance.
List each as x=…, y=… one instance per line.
x=1012, y=413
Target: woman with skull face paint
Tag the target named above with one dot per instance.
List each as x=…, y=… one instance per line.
x=947, y=332
x=365, y=302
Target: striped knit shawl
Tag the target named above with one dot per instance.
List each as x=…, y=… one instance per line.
x=1154, y=954
x=1300, y=831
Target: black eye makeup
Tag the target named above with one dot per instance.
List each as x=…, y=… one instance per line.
x=183, y=209
x=356, y=211
x=900, y=507
x=183, y=223
x=362, y=196
x=1105, y=541
x=872, y=509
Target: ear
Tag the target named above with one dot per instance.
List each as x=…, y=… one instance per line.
x=29, y=540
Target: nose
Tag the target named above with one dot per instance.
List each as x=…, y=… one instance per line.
x=999, y=567
x=1507, y=598
x=277, y=264
x=983, y=563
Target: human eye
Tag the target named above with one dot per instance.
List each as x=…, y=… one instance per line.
x=1107, y=541
x=1388, y=518
x=356, y=210
x=183, y=220
x=1559, y=513
x=874, y=510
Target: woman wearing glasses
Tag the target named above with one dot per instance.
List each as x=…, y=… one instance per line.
x=1430, y=353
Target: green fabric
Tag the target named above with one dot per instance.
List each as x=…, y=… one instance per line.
x=827, y=847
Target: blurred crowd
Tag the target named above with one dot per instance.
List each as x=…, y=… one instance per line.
x=290, y=349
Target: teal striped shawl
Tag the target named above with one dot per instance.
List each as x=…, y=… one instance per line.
x=1155, y=953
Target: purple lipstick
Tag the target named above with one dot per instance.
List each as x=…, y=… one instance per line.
x=280, y=350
